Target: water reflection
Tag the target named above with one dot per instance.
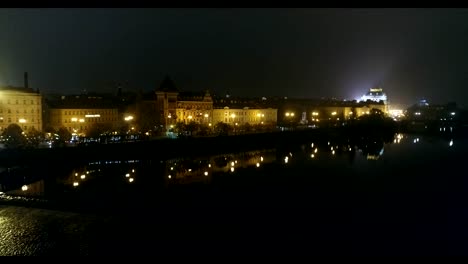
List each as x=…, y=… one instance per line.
x=107, y=179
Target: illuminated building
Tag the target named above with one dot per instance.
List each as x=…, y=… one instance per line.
x=376, y=95
x=173, y=106
x=79, y=113
x=21, y=106
x=194, y=107
x=240, y=116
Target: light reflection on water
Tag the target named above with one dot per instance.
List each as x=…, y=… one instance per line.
x=378, y=190
x=116, y=176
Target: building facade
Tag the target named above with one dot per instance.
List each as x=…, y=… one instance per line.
x=78, y=114
x=21, y=106
x=240, y=116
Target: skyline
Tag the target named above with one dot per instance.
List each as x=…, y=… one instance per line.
x=411, y=53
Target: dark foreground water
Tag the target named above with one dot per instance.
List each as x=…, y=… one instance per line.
x=403, y=198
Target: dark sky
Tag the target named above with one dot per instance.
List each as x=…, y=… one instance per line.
x=412, y=53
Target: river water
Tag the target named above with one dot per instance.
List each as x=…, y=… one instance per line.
x=406, y=197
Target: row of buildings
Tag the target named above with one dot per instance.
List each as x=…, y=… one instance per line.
x=163, y=108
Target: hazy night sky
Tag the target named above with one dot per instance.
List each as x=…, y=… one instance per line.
x=413, y=53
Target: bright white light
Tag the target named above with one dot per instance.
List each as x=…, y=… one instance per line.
x=312, y=145
x=333, y=152
x=75, y=184
x=83, y=176
x=87, y=172
x=76, y=174
x=169, y=176
x=24, y=188
x=235, y=161
x=209, y=165
x=451, y=143
x=261, y=158
x=232, y=163
x=232, y=169
x=189, y=170
x=172, y=168
x=329, y=143
x=130, y=179
x=331, y=148
x=206, y=115
x=349, y=149
x=453, y=113
x=286, y=159
x=98, y=115
x=315, y=151
x=333, y=113
x=128, y=118
x=22, y=120
x=417, y=113
x=74, y=119
x=206, y=173
x=133, y=170
x=127, y=175
x=81, y=120
x=312, y=156
x=258, y=164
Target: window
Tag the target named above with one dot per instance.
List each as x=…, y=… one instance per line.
x=16, y=101
x=25, y=111
x=32, y=102
x=24, y=101
x=8, y=101
x=9, y=120
x=17, y=111
x=32, y=111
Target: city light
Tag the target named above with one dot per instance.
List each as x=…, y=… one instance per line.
x=451, y=143
x=81, y=120
x=128, y=118
x=333, y=113
x=315, y=151
x=206, y=115
x=232, y=169
x=24, y=188
x=453, y=113
x=315, y=113
x=233, y=115
x=206, y=173
x=312, y=156
x=232, y=163
x=98, y=115
x=75, y=184
x=417, y=113
x=22, y=120
x=190, y=117
x=209, y=165
x=333, y=152
x=261, y=158
x=130, y=180
x=169, y=176
x=127, y=175
x=286, y=159
x=83, y=177
x=74, y=119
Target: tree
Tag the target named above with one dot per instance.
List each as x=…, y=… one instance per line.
x=14, y=136
x=64, y=134
x=97, y=129
x=191, y=127
x=223, y=129
x=34, y=137
x=179, y=128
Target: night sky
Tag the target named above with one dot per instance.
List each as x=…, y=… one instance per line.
x=411, y=53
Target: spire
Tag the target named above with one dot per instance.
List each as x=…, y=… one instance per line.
x=168, y=85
